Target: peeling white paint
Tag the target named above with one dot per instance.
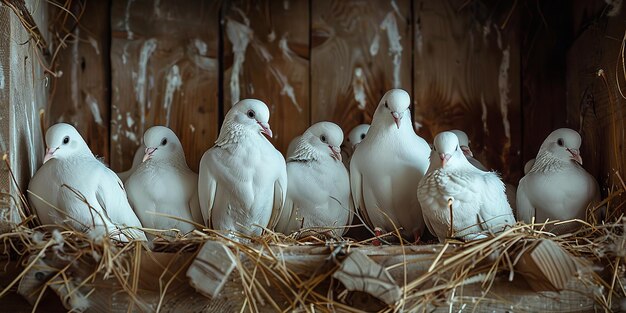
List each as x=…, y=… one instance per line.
x=192, y=128
x=284, y=48
x=503, y=86
x=375, y=45
x=358, y=86
x=239, y=36
x=1, y=76
x=157, y=8
x=287, y=89
x=94, y=43
x=129, y=119
x=483, y=106
x=271, y=36
x=174, y=81
x=129, y=33
x=419, y=38
x=615, y=7
x=201, y=46
x=395, y=7
x=395, y=47
x=286, y=5
x=92, y=103
x=125, y=54
x=146, y=51
x=131, y=136
x=262, y=51
x=417, y=125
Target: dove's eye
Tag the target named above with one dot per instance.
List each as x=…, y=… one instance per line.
x=250, y=114
x=362, y=136
x=164, y=141
x=457, y=148
x=323, y=138
x=66, y=140
x=560, y=142
x=386, y=105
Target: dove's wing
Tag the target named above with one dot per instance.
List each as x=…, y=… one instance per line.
x=356, y=186
x=111, y=196
x=194, y=207
x=207, y=188
x=280, y=193
x=525, y=208
x=495, y=211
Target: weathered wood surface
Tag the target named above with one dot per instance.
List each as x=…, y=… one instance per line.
x=266, y=56
x=164, y=63
x=359, y=50
x=467, y=76
x=595, y=106
x=80, y=96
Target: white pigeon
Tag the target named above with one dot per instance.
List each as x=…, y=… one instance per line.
x=464, y=143
x=292, y=146
x=356, y=135
x=479, y=204
x=387, y=166
x=136, y=161
x=243, y=178
x=557, y=187
x=318, y=192
x=72, y=187
x=163, y=183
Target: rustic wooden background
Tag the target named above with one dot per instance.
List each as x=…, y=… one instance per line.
x=506, y=72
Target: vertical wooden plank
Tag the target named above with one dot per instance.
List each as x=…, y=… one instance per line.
x=164, y=63
x=360, y=49
x=595, y=107
x=266, y=56
x=467, y=76
x=80, y=96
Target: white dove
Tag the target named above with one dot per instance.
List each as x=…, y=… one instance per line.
x=163, y=183
x=557, y=187
x=479, y=204
x=292, y=146
x=318, y=192
x=356, y=135
x=387, y=166
x=464, y=143
x=243, y=178
x=136, y=161
x=74, y=188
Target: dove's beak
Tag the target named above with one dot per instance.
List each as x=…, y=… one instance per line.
x=265, y=128
x=49, y=154
x=466, y=150
x=576, y=156
x=397, y=117
x=445, y=157
x=336, y=152
x=148, y=154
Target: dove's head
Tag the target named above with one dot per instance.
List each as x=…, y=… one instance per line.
x=463, y=142
x=62, y=141
x=446, y=150
x=161, y=143
x=564, y=144
x=252, y=113
x=394, y=107
x=326, y=138
x=357, y=134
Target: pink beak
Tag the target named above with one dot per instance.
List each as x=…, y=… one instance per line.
x=148, y=154
x=336, y=152
x=396, y=118
x=49, y=154
x=466, y=150
x=444, y=158
x=576, y=156
x=265, y=128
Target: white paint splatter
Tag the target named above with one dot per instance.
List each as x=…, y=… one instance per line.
x=287, y=89
x=419, y=38
x=129, y=33
x=417, y=125
x=174, y=81
x=146, y=51
x=74, y=70
x=94, y=43
x=395, y=7
x=358, y=86
x=125, y=54
x=239, y=36
x=192, y=128
x=284, y=48
x=157, y=8
x=375, y=45
x=131, y=136
x=483, y=105
x=395, y=47
x=201, y=46
x=271, y=36
x=286, y=5
x=129, y=119
x=615, y=7
x=1, y=76
x=95, y=110
x=262, y=51
x=503, y=86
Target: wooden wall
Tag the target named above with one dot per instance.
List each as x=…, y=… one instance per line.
x=479, y=66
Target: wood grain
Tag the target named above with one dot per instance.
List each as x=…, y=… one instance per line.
x=266, y=56
x=467, y=76
x=164, y=62
x=353, y=50
x=80, y=96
